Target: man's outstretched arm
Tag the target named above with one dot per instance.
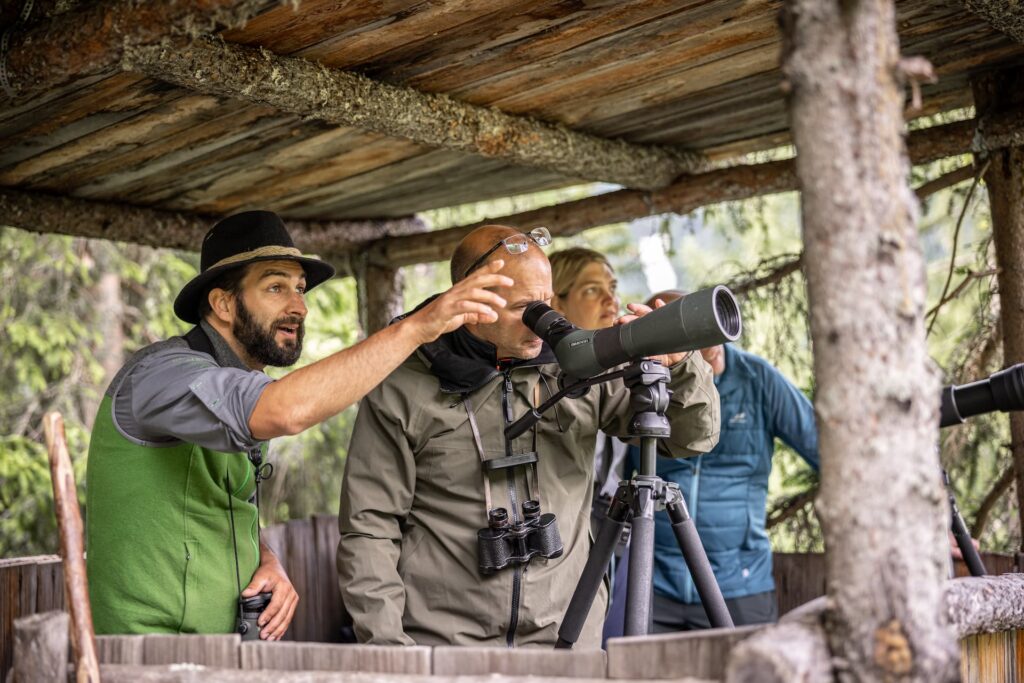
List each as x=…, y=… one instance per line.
x=323, y=389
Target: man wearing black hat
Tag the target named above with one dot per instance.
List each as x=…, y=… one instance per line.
x=178, y=445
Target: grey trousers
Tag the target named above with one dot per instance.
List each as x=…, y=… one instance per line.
x=669, y=615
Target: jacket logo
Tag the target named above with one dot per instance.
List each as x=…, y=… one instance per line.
x=738, y=419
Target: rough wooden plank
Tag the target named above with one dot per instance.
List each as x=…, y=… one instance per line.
x=16, y=600
x=1006, y=16
x=696, y=653
x=300, y=562
x=331, y=657
x=91, y=39
x=992, y=657
x=325, y=531
x=478, y=661
x=121, y=649
x=799, y=578
x=136, y=131
x=349, y=99
x=41, y=648
x=141, y=674
x=208, y=650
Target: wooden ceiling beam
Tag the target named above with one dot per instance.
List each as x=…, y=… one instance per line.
x=691, y=192
x=308, y=89
x=89, y=40
x=1005, y=16
x=333, y=241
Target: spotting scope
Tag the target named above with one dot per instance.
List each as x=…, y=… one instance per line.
x=705, y=318
x=1002, y=391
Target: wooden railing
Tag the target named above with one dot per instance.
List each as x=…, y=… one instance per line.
x=307, y=550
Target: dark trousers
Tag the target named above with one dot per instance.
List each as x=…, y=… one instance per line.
x=670, y=615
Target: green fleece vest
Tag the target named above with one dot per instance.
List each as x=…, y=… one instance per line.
x=159, y=551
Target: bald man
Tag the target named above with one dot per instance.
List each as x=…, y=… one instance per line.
x=429, y=466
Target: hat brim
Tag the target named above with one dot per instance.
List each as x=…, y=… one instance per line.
x=186, y=305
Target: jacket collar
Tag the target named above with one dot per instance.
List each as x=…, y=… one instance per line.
x=463, y=363
x=215, y=345
x=736, y=363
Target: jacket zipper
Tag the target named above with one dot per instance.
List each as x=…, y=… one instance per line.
x=688, y=588
x=517, y=576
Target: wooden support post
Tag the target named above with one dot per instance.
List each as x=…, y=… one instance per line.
x=41, y=648
x=299, y=86
x=90, y=40
x=72, y=546
x=881, y=505
x=381, y=295
x=995, y=93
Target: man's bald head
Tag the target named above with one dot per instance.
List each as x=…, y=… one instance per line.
x=483, y=238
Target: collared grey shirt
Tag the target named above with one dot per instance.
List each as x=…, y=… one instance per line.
x=168, y=393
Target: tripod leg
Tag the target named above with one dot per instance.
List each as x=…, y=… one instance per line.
x=641, y=564
x=593, y=571
x=966, y=545
x=697, y=562
x=962, y=535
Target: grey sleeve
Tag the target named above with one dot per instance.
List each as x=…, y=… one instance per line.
x=178, y=394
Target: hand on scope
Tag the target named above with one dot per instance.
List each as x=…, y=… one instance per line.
x=468, y=301
x=639, y=311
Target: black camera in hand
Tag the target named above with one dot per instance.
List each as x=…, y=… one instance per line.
x=504, y=543
x=249, y=611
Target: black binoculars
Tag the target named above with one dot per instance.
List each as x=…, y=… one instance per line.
x=250, y=609
x=502, y=543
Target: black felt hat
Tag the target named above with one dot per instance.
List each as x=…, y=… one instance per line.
x=239, y=240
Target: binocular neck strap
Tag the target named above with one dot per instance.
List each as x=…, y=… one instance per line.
x=478, y=442
x=234, y=541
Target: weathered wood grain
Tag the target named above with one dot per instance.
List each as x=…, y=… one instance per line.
x=330, y=657
x=91, y=39
x=479, y=661
x=41, y=648
x=702, y=654
x=308, y=89
x=207, y=650
x=120, y=649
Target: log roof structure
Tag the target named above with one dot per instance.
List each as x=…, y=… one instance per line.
x=342, y=115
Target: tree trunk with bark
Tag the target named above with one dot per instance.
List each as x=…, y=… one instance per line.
x=881, y=505
x=993, y=94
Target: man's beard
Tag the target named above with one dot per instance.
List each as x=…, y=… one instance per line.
x=260, y=343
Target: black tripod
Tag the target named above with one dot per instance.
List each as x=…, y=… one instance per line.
x=963, y=537
x=636, y=499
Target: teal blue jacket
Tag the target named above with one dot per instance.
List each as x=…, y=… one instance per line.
x=726, y=489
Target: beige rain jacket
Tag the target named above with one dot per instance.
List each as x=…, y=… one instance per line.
x=413, y=495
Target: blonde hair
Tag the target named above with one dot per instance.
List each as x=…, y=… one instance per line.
x=567, y=264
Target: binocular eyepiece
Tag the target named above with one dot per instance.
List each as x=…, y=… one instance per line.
x=504, y=543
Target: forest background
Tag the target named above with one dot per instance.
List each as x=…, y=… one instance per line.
x=72, y=310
